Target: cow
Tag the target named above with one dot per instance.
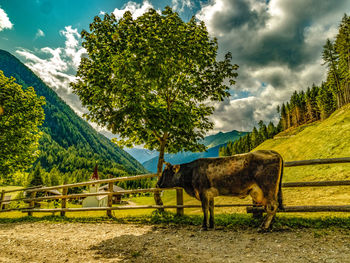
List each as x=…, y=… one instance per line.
x=257, y=174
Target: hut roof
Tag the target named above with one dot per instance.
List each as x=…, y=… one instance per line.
x=54, y=192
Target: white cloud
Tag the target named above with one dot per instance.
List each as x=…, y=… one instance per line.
x=5, y=22
x=39, y=33
x=134, y=8
x=58, y=67
x=277, y=45
x=180, y=5
x=72, y=47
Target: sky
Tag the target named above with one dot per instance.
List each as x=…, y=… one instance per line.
x=276, y=43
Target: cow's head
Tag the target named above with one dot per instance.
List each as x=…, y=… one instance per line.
x=169, y=176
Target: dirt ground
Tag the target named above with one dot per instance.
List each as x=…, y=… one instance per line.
x=112, y=242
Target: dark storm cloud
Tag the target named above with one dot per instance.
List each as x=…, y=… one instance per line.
x=258, y=33
x=277, y=45
x=237, y=14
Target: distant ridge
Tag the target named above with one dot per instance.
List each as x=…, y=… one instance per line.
x=69, y=143
x=213, y=142
x=222, y=137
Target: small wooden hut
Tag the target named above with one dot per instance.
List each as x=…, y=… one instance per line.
x=117, y=199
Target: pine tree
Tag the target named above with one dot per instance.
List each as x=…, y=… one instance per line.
x=284, y=122
x=262, y=131
x=312, y=113
x=342, y=47
x=36, y=180
x=330, y=58
x=55, y=176
x=288, y=115
x=36, y=177
x=271, y=130
x=255, y=138
x=326, y=101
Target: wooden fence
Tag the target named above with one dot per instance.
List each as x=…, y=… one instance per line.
x=30, y=209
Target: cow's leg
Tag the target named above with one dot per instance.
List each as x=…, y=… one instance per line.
x=205, y=207
x=258, y=199
x=257, y=215
x=271, y=208
x=211, y=210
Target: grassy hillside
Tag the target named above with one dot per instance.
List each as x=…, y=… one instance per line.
x=323, y=139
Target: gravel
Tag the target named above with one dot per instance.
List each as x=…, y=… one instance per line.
x=112, y=242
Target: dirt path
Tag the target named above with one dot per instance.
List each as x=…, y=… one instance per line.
x=111, y=242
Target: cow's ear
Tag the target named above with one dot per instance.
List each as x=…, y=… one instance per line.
x=176, y=168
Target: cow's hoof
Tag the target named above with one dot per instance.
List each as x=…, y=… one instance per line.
x=204, y=228
x=211, y=227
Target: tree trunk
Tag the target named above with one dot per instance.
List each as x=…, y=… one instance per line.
x=161, y=159
x=157, y=197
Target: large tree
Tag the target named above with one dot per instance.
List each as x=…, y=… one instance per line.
x=153, y=80
x=21, y=113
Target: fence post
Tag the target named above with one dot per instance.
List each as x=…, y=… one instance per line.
x=179, y=201
x=64, y=201
x=2, y=197
x=32, y=203
x=110, y=199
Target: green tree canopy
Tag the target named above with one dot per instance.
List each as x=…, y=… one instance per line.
x=20, y=115
x=153, y=80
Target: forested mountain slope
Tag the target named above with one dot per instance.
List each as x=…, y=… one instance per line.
x=69, y=147
x=222, y=137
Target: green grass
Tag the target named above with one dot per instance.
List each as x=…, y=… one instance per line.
x=229, y=221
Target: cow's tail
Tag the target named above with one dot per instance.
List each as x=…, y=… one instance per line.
x=280, y=199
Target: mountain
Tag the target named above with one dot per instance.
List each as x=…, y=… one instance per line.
x=69, y=144
x=222, y=137
x=142, y=155
x=329, y=138
x=213, y=142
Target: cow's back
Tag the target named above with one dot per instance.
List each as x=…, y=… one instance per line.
x=235, y=175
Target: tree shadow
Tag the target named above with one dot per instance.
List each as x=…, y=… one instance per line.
x=158, y=244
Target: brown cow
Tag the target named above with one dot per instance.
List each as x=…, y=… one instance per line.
x=257, y=174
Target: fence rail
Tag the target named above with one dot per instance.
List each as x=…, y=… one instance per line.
x=32, y=200
x=317, y=161
x=308, y=208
